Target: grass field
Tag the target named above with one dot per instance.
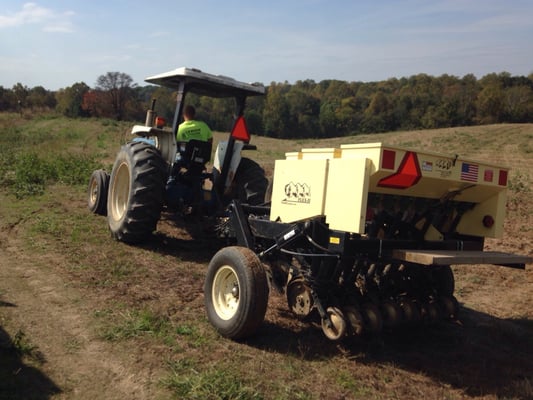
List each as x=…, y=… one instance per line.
x=85, y=317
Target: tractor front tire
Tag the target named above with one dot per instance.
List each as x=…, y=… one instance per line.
x=236, y=292
x=136, y=192
x=97, y=192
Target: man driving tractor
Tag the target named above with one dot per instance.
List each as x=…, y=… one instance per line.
x=193, y=129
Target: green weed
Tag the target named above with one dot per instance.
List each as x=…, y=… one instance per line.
x=22, y=344
x=74, y=169
x=109, y=122
x=193, y=334
x=101, y=141
x=73, y=345
x=48, y=225
x=348, y=382
x=134, y=323
x=123, y=269
x=24, y=348
x=188, y=381
x=32, y=173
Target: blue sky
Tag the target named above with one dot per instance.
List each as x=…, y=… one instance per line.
x=58, y=43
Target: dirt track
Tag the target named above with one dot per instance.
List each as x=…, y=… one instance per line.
x=71, y=361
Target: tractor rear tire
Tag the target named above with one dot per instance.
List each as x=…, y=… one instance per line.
x=136, y=192
x=250, y=183
x=236, y=292
x=97, y=192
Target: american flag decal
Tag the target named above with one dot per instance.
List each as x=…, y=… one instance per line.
x=469, y=172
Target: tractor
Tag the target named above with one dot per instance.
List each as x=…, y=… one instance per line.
x=153, y=170
x=358, y=238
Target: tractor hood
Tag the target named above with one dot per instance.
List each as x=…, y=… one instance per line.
x=205, y=84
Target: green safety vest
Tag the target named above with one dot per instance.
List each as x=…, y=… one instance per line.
x=193, y=130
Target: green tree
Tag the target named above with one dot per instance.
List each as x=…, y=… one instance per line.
x=339, y=108
x=377, y=114
x=518, y=103
x=118, y=90
x=21, y=93
x=69, y=100
x=328, y=119
x=39, y=97
x=349, y=114
x=254, y=114
x=416, y=95
x=165, y=101
x=7, y=99
x=490, y=101
x=254, y=122
x=304, y=110
x=276, y=114
x=467, y=100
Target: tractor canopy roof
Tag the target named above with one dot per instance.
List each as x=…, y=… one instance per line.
x=205, y=84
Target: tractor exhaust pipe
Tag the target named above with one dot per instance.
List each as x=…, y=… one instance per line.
x=150, y=115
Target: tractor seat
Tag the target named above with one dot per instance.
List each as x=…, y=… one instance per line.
x=196, y=154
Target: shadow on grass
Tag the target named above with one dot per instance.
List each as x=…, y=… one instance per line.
x=480, y=354
x=188, y=239
x=19, y=380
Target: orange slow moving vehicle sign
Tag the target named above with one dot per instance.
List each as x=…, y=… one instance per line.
x=407, y=175
x=240, y=130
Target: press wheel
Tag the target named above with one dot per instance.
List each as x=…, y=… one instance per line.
x=334, y=327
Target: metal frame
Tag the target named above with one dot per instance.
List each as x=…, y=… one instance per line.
x=253, y=230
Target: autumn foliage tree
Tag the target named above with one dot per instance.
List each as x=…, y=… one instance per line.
x=117, y=88
x=70, y=100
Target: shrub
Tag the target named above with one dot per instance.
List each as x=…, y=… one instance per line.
x=32, y=173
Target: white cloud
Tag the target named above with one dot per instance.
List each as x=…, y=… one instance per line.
x=32, y=13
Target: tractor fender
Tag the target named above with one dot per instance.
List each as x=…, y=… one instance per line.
x=162, y=139
x=235, y=160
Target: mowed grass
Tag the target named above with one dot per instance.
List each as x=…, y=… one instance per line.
x=149, y=298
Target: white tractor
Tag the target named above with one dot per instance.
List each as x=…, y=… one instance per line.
x=153, y=169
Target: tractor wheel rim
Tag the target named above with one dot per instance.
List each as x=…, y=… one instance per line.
x=226, y=292
x=121, y=192
x=93, y=191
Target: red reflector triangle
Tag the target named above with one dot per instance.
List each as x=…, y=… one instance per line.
x=240, y=130
x=408, y=173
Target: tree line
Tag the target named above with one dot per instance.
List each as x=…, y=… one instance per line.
x=305, y=109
